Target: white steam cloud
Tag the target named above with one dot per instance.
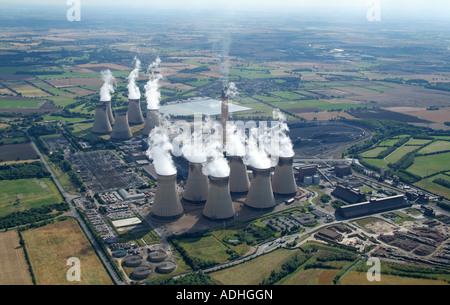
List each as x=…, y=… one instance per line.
x=216, y=164
x=257, y=152
x=236, y=141
x=159, y=151
x=152, y=93
x=279, y=131
x=133, y=89
x=108, y=86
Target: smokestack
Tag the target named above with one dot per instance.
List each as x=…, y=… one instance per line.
x=153, y=119
x=101, y=122
x=121, y=130
x=167, y=204
x=239, y=182
x=260, y=195
x=224, y=113
x=135, y=116
x=197, y=186
x=219, y=205
x=283, y=180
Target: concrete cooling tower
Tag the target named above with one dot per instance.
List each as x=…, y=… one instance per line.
x=260, y=195
x=167, y=204
x=135, y=116
x=121, y=130
x=153, y=119
x=219, y=205
x=109, y=112
x=239, y=182
x=283, y=180
x=101, y=122
x=197, y=185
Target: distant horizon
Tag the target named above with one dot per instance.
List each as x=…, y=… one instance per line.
x=390, y=10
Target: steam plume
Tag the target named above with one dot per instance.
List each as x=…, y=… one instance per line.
x=160, y=150
x=257, y=152
x=108, y=85
x=216, y=164
x=279, y=134
x=152, y=93
x=133, y=89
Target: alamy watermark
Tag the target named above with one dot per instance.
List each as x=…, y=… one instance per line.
x=74, y=272
x=74, y=11
x=374, y=272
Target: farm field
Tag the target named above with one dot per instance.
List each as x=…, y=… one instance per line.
x=360, y=278
x=23, y=194
x=431, y=164
x=400, y=152
x=16, y=152
x=56, y=243
x=13, y=266
x=434, y=147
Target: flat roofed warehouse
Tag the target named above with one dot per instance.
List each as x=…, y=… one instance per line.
x=372, y=206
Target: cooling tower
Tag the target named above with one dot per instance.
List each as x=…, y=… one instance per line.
x=134, y=112
x=121, y=130
x=260, y=195
x=110, y=114
x=197, y=185
x=219, y=205
x=153, y=119
x=239, y=182
x=101, y=122
x=167, y=204
x=283, y=180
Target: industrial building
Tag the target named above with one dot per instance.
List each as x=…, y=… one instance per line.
x=260, y=195
x=121, y=129
x=372, y=206
x=342, y=170
x=167, y=203
x=348, y=194
x=283, y=180
x=197, y=185
x=306, y=170
x=219, y=205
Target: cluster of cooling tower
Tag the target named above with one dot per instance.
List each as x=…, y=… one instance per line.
x=215, y=192
x=119, y=126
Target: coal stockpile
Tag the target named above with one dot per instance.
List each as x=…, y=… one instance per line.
x=323, y=139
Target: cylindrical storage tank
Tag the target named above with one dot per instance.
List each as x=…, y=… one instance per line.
x=141, y=272
x=167, y=203
x=283, y=180
x=260, y=195
x=109, y=113
x=307, y=180
x=152, y=120
x=135, y=116
x=219, y=205
x=121, y=130
x=132, y=261
x=239, y=181
x=166, y=267
x=157, y=256
x=197, y=185
x=101, y=122
x=316, y=179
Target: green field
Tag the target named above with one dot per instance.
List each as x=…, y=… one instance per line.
x=378, y=163
x=16, y=104
x=23, y=194
x=399, y=153
x=373, y=153
x=429, y=185
x=429, y=165
x=206, y=248
x=435, y=147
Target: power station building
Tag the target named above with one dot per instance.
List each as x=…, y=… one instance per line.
x=102, y=124
x=376, y=205
x=219, y=205
x=121, y=129
x=348, y=194
x=283, y=180
x=135, y=116
x=260, y=196
x=197, y=185
x=167, y=203
x=239, y=181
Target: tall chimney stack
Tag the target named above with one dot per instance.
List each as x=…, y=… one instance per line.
x=283, y=180
x=219, y=205
x=135, y=116
x=260, y=196
x=197, y=185
x=224, y=113
x=167, y=203
x=101, y=125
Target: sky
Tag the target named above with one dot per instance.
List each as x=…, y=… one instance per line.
x=414, y=8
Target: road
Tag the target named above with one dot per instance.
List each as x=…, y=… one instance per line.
x=73, y=213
